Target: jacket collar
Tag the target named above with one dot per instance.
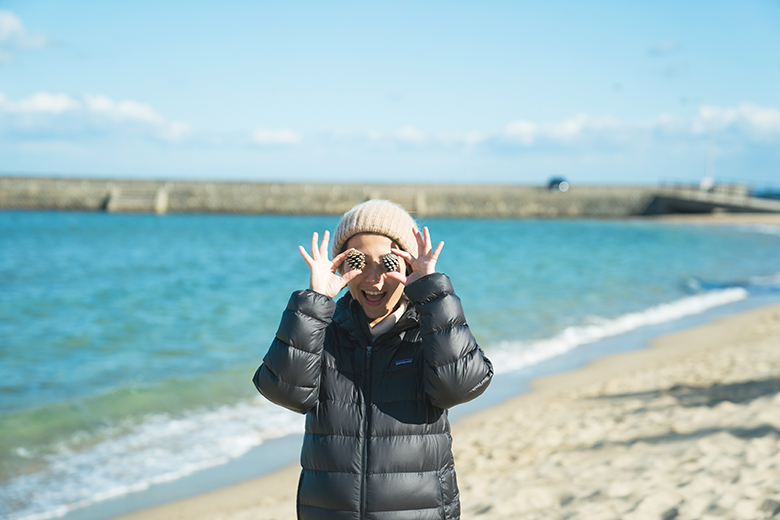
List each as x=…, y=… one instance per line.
x=349, y=316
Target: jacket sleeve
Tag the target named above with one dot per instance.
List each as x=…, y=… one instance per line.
x=456, y=369
x=290, y=373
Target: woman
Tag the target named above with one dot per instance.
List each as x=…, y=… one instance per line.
x=375, y=372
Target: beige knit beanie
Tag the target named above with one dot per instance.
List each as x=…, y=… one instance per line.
x=376, y=216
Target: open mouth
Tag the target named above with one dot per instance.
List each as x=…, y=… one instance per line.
x=373, y=297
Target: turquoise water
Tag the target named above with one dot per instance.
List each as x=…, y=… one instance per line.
x=128, y=341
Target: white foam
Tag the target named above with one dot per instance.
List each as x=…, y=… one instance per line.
x=765, y=229
x=772, y=280
x=159, y=449
x=514, y=355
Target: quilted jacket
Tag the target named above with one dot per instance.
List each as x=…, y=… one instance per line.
x=377, y=443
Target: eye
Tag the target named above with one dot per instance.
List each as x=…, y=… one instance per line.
x=390, y=262
x=356, y=259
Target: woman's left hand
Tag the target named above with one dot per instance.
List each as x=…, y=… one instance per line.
x=425, y=261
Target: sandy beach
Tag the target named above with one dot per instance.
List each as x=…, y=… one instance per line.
x=688, y=428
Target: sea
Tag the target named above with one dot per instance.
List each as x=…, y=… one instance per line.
x=128, y=342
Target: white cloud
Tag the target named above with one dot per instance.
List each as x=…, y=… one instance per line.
x=666, y=122
x=410, y=135
x=40, y=103
x=135, y=112
x=275, y=137
x=582, y=123
x=527, y=133
x=747, y=118
x=122, y=110
x=522, y=131
x=56, y=114
x=175, y=131
x=14, y=37
x=744, y=122
x=92, y=111
x=472, y=138
x=466, y=139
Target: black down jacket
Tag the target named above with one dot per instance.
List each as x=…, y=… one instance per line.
x=377, y=442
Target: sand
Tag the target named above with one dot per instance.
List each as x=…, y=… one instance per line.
x=686, y=429
x=689, y=429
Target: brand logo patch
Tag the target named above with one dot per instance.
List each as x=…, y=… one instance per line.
x=403, y=361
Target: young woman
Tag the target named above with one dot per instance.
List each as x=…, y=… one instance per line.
x=375, y=371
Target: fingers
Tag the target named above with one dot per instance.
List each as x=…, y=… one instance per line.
x=395, y=275
x=423, y=240
x=425, y=262
x=340, y=257
x=324, y=245
x=347, y=277
x=315, y=250
x=403, y=254
x=420, y=241
x=305, y=255
x=427, y=239
x=435, y=254
x=319, y=251
x=409, y=259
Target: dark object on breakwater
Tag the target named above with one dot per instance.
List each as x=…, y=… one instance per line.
x=559, y=184
x=435, y=200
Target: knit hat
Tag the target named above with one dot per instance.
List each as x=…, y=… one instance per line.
x=376, y=216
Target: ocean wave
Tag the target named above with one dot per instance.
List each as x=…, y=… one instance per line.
x=753, y=285
x=764, y=229
x=515, y=355
x=160, y=449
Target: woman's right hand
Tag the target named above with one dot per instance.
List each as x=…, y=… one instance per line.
x=324, y=278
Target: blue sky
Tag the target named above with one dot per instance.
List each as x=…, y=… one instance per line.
x=468, y=92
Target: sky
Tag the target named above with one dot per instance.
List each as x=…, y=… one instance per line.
x=515, y=92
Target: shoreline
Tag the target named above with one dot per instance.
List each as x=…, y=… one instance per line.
x=499, y=451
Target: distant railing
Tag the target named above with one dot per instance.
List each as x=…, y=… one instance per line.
x=728, y=186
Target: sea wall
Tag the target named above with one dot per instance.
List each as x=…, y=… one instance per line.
x=115, y=195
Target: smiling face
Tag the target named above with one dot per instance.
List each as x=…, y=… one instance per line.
x=377, y=294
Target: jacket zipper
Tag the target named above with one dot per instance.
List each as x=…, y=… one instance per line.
x=366, y=431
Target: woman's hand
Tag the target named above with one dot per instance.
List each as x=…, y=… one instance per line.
x=324, y=279
x=425, y=261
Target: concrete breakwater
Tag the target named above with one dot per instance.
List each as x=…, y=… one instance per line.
x=319, y=198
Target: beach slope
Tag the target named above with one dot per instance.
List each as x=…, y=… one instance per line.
x=688, y=429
